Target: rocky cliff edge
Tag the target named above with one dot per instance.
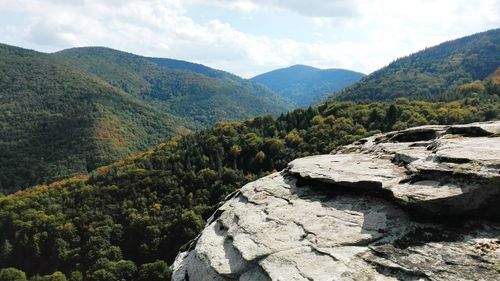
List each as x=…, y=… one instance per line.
x=418, y=204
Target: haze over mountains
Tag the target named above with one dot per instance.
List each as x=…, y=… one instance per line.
x=306, y=85
x=128, y=220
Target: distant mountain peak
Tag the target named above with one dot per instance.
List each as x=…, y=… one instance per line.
x=301, y=66
x=305, y=84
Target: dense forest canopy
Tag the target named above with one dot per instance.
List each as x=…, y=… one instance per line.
x=128, y=220
x=68, y=113
x=200, y=95
x=430, y=73
x=56, y=121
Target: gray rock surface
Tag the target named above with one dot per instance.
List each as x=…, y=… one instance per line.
x=418, y=204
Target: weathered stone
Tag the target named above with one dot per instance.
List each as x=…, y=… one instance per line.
x=421, y=133
x=481, y=150
x=397, y=206
x=451, y=175
x=476, y=129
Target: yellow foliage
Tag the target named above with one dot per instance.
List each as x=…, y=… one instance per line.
x=235, y=150
x=260, y=156
x=294, y=138
x=318, y=120
x=442, y=111
x=182, y=131
x=156, y=206
x=205, y=158
x=103, y=169
x=55, y=185
x=473, y=87
x=249, y=177
x=454, y=104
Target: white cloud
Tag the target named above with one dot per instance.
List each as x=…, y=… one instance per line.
x=313, y=8
x=358, y=34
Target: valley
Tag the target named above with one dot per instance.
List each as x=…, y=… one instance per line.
x=112, y=162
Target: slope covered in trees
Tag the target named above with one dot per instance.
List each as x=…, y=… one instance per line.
x=56, y=121
x=306, y=85
x=128, y=220
x=430, y=73
x=67, y=113
x=199, y=94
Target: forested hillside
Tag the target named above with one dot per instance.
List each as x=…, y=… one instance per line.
x=306, y=85
x=199, y=94
x=128, y=220
x=430, y=73
x=56, y=121
x=67, y=113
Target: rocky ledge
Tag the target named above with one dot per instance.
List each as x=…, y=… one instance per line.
x=418, y=204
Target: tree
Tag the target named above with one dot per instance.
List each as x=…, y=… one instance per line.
x=399, y=125
x=391, y=116
x=5, y=250
x=76, y=276
x=374, y=119
x=155, y=271
x=56, y=276
x=235, y=150
x=294, y=138
x=125, y=270
x=260, y=156
x=113, y=271
x=12, y=274
x=101, y=275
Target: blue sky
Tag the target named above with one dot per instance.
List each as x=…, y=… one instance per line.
x=248, y=37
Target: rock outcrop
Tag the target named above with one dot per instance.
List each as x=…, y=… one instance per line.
x=418, y=204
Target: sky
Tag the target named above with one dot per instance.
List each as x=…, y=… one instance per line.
x=248, y=37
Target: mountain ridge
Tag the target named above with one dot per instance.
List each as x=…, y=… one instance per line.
x=306, y=84
x=173, y=89
x=128, y=220
x=47, y=108
x=432, y=72
x=124, y=102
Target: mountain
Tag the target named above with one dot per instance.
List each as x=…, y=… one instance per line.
x=306, y=85
x=57, y=121
x=67, y=113
x=194, y=67
x=202, y=96
x=432, y=72
x=226, y=77
x=128, y=220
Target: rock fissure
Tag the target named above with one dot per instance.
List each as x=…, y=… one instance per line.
x=393, y=268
